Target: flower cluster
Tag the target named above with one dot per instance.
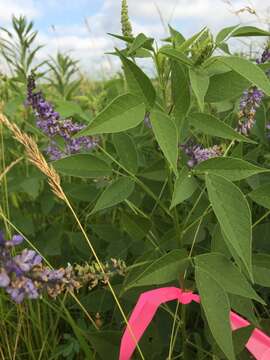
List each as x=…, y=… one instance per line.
x=197, y=153
x=90, y=274
x=49, y=122
x=251, y=101
x=25, y=276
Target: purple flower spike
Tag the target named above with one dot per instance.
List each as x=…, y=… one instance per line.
x=199, y=154
x=49, y=122
x=250, y=101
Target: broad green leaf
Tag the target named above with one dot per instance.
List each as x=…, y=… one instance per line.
x=184, y=187
x=233, y=169
x=225, y=33
x=216, y=305
x=225, y=48
x=210, y=125
x=68, y=108
x=248, y=70
x=138, y=82
x=227, y=275
x=199, y=84
x=176, y=54
x=166, y=134
x=176, y=37
x=261, y=195
x=245, y=307
x=234, y=216
x=82, y=165
x=261, y=269
x=125, y=112
x=249, y=31
x=126, y=151
x=237, y=31
x=115, y=193
x=139, y=42
x=241, y=337
x=226, y=86
x=128, y=39
x=190, y=41
x=136, y=226
x=181, y=97
x=81, y=192
x=163, y=270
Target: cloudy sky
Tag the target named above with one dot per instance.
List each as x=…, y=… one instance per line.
x=80, y=26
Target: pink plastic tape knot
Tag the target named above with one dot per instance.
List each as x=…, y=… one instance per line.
x=147, y=305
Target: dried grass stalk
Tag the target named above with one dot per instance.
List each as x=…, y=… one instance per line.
x=35, y=156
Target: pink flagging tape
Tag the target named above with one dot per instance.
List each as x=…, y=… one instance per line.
x=258, y=344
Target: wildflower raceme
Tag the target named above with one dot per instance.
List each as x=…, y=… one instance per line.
x=197, y=153
x=25, y=276
x=251, y=100
x=51, y=124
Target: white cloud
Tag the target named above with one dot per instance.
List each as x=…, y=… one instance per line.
x=17, y=7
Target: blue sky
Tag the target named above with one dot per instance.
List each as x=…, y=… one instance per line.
x=62, y=23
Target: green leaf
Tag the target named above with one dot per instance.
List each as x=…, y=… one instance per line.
x=249, y=31
x=261, y=195
x=176, y=37
x=226, y=86
x=184, y=187
x=68, y=108
x=82, y=165
x=139, y=42
x=115, y=193
x=248, y=70
x=126, y=151
x=125, y=112
x=225, y=33
x=216, y=305
x=181, y=97
x=175, y=54
x=163, y=270
x=237, y=31
x=210, y=125
x=233, y=169
x=227, y=275
x=241, y=337
x=261, y=269
x=234, y=216
x=199, y=84
x=166, y=134
x=244, y=307
x=138, y=82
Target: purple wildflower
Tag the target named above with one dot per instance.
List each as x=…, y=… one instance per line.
x=27, y=260
x=24, y=276
x=49, y=122
x=198, y=154
x=251, y=101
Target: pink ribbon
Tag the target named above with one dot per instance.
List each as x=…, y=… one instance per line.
x=258, y=344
